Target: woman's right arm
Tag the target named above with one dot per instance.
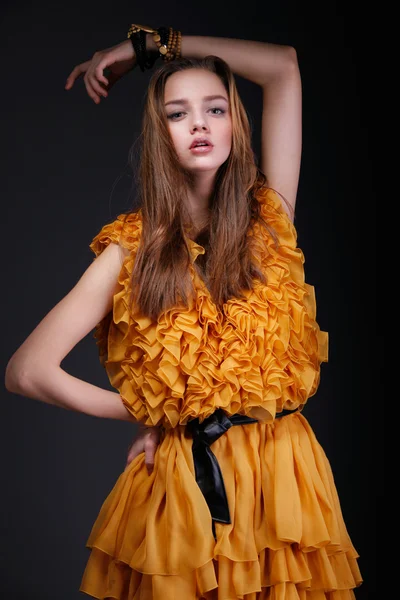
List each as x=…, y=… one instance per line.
x=34, y=370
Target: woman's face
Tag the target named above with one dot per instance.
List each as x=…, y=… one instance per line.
x=197, y=106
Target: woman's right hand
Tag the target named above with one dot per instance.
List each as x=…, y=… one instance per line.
x=118, y=60
x=147, y=441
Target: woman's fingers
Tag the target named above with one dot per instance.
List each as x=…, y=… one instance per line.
x=149, y=452
x=147, y=442
x=96, y=87
x=91, y=92
x=150, y=447
x=75, y=73
x=95, y=75
x=92, y=77
x=134, y=450
x=99, y=73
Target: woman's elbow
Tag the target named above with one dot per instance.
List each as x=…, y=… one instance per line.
x=291, y=62
x=17, y=377
x=285, y=66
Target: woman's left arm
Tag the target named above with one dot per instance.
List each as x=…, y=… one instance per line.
x=275, y=68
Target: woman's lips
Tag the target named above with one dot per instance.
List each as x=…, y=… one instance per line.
x=201, y=149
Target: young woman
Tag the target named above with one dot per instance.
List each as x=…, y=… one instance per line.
x=207, y=330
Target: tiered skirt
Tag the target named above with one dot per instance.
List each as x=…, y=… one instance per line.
x=287, y=539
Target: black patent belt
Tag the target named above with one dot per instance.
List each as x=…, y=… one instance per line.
x=208, y=473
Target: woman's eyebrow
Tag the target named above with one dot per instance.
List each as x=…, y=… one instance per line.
x=206, y=99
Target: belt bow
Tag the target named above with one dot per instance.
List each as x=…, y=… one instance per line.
x=208, y=473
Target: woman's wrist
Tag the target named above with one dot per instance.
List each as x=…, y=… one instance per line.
x=125, y=50
x=151, y=46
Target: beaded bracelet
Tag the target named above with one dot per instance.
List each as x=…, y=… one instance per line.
x=167, y=40
x=174, y=45
x=143, y=59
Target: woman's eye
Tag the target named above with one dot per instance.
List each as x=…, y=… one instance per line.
x=176, y=115
x=173, y=115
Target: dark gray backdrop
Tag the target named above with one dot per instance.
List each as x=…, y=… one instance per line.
x=65, y=173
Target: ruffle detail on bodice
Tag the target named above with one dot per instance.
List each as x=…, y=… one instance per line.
x=254, y=357
x=124, y=231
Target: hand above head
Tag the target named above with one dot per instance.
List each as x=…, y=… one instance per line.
x=145, y=441
x=118, y=60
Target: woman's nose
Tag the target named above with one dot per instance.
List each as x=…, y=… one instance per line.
x=199, y=124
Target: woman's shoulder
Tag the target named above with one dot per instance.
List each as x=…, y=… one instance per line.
x=124, y=230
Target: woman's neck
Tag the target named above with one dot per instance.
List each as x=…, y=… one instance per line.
x=198, y=200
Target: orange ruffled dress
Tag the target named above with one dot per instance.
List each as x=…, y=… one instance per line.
x=153, y=539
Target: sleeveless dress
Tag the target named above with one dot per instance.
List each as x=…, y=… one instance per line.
x=153, y=538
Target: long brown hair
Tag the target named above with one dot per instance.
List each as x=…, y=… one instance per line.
x=161, y=277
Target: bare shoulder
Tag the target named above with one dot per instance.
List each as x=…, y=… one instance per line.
x=76, y=314
x=112, y=257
